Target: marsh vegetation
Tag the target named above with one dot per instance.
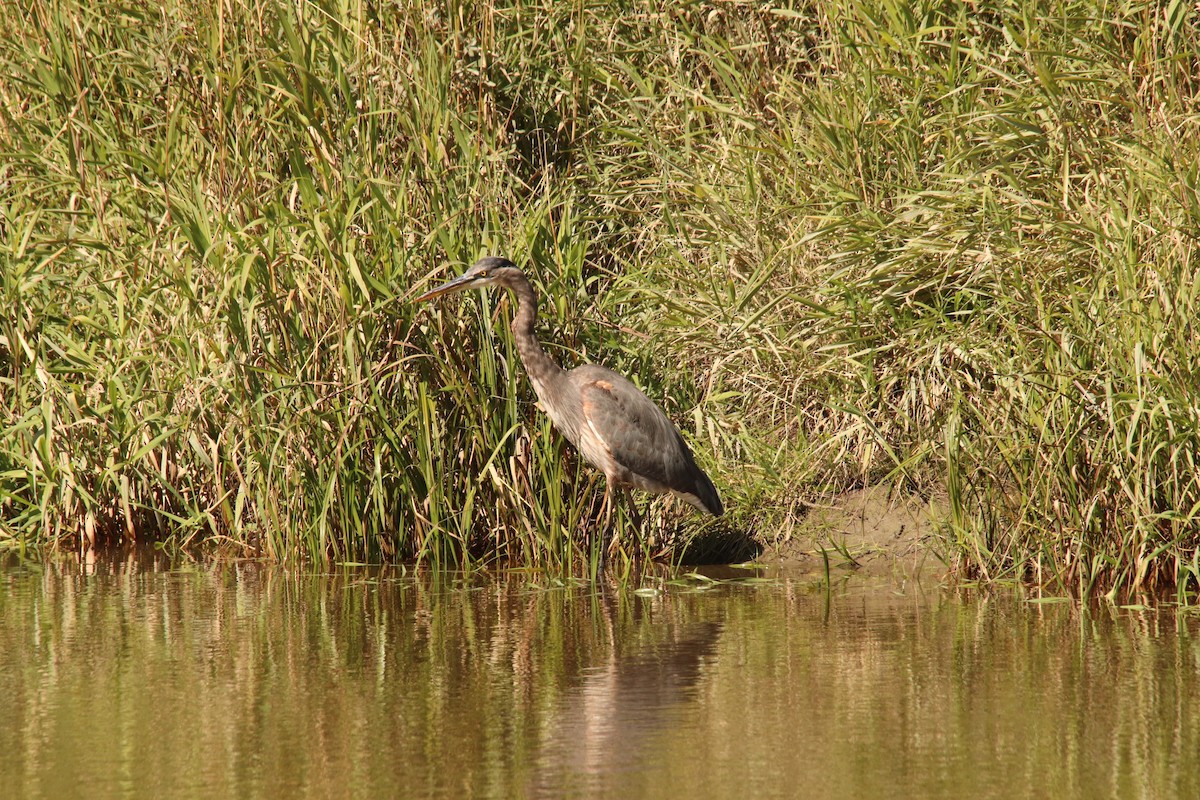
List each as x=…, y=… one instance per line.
x=947, y=246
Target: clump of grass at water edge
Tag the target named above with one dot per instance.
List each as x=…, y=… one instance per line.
x=949, y=247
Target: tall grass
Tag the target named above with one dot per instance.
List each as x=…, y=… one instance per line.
x=947, y=245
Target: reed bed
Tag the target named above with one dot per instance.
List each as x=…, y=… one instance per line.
x=952, y=246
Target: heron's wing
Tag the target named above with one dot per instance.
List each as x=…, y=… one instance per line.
x=636, y=433
x=624, y=433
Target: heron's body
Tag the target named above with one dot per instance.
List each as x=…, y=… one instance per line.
x=616, y=427
x=628, y=438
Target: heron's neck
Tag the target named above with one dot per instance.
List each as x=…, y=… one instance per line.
x=543, y=372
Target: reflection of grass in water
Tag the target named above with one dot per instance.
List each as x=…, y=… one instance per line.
x=841, y=246
x=283, y=682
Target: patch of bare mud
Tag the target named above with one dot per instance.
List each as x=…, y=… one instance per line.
x=873, y=531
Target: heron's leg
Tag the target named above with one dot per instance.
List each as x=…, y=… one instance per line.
x=635, y=515
x=615, y=537
x=606, y=515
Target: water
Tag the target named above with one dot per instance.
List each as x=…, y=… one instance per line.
x=131, y=679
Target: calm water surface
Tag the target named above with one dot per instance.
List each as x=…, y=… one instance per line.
x=134, y=679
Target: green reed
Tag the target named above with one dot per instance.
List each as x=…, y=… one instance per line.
x=842, y=243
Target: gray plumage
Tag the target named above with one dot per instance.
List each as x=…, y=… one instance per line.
x=616, y=427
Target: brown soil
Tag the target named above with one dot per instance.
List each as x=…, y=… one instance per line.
x=873, y=531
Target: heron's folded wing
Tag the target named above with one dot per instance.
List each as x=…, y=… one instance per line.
x=636, y=433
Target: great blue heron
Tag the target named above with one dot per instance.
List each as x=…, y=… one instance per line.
x=609, y=420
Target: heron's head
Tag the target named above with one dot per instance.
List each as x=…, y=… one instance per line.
x=487, y=271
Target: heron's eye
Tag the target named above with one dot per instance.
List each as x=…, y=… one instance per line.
x=483, y=273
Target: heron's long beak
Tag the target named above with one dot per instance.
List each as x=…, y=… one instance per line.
x=456, y=285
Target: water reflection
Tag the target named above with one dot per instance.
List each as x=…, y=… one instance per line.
x=602, y=725
x=136, y=678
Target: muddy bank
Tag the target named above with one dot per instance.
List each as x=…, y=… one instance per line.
x=874, y=531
